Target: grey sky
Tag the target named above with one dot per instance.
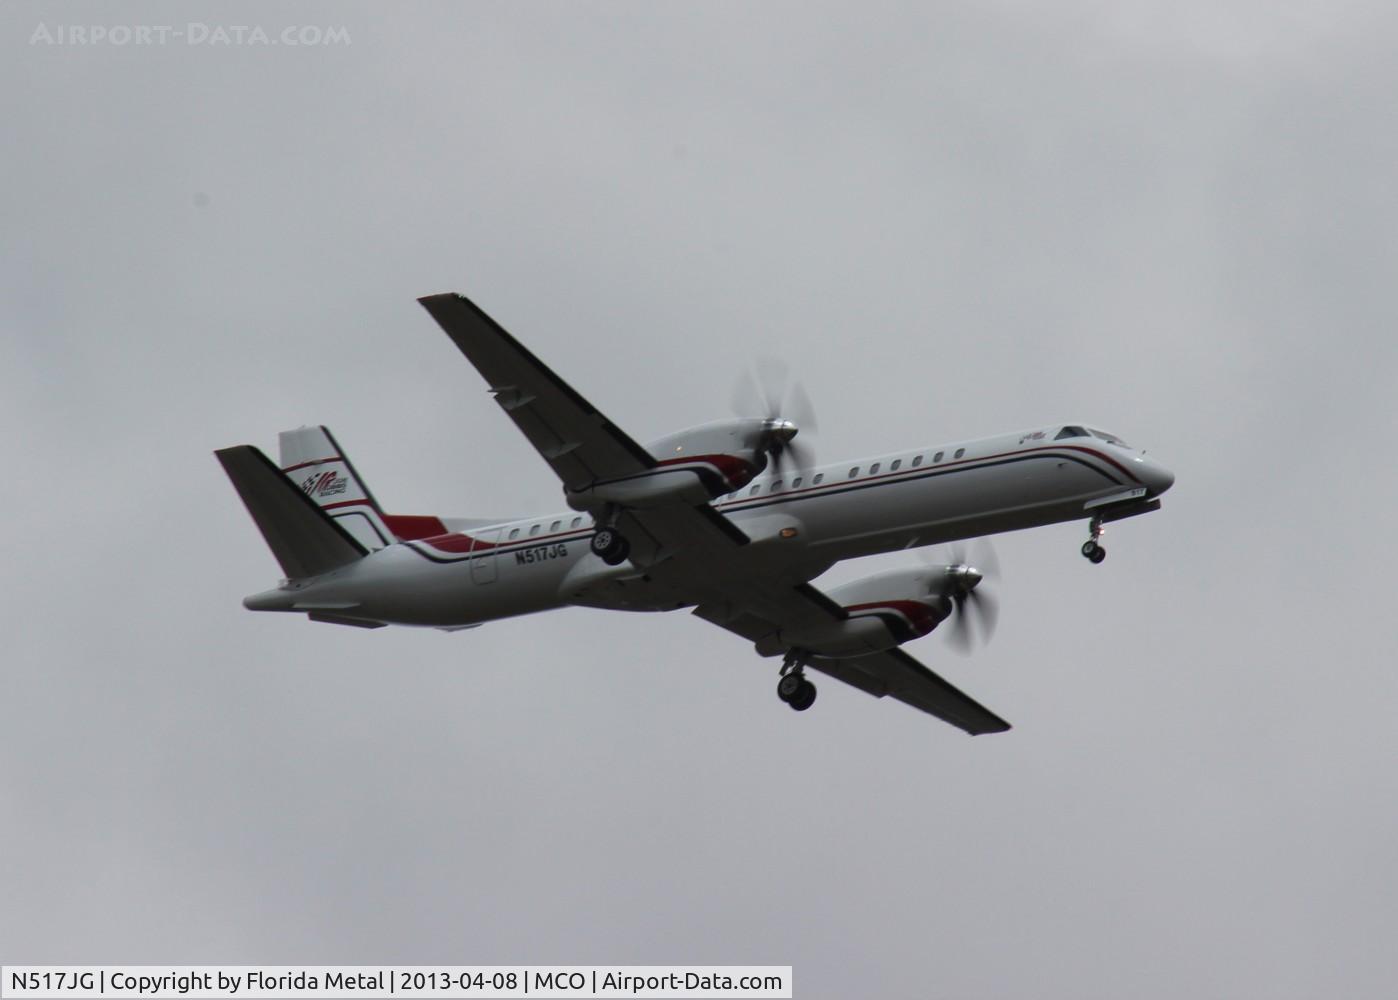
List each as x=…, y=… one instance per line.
x=1176, y=221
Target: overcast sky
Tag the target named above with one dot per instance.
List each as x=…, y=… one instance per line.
x=1176, y=221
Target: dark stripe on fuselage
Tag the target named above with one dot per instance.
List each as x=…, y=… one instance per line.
x=907, y=476
x=807, y=493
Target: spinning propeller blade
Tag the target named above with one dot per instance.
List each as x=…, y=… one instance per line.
x=783, y=409
x=972, y=601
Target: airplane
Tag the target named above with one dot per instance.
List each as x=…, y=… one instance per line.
x=729, y=519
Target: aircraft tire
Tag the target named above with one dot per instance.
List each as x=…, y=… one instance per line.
x=789, y=687
x=617, y=553
x=602, y=540
x=805, y=696
x=610, y=545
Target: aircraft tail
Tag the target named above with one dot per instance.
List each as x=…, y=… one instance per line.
x=313, y=460
x=303, y=537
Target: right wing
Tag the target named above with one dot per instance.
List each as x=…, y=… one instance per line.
x=895, y=674
x=756, y=612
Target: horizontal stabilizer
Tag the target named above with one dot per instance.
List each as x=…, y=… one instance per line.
x=305, y=540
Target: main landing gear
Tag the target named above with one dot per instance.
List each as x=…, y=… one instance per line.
x=1092, y=551
x=611, y=545
x=793, y=688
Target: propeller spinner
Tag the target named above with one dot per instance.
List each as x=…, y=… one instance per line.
x=785, y=411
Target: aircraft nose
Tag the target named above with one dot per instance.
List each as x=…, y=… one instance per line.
x=1157, y=477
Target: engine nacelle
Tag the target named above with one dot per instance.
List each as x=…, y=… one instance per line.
x=693, y=466
x=885, y=610
x=726, y=453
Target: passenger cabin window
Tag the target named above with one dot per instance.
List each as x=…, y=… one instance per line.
x=917, y=460
x=873, y=468
x=534, y=530
x=754, y=491
x=514, y=533
x=819, y=478
x=937, y=457
x=893, y=465
x=796, y=483
x=776, y=485
x=959, y=452
x=854, y=472
x=576, y=521
x=555, y=525
x=1071, y=431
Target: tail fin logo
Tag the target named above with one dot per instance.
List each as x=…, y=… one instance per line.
x=326, y=484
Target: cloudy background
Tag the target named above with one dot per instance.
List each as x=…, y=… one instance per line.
x=1174, y=220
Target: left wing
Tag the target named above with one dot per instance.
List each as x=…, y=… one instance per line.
x=580, y=444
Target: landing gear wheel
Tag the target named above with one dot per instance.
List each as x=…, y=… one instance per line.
x=617, y=554
x=805, y=696
x=1092, y=550
x=611, y=546
x=602, y=540
x=790, y=686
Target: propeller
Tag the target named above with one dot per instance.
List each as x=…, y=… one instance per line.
x=785, y=409
x=969, y=600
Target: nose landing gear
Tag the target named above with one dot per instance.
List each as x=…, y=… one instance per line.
x=793, y=688
x=1092, y=551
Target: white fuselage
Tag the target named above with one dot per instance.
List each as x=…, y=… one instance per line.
x=821, y=516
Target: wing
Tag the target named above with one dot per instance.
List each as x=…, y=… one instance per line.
x=580, y=444
x=895, y=674
x=891, y=673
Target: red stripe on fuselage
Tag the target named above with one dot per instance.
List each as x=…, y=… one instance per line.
x=411, y=527
x=1106, y=458
x=456, y=542
x=912, y=472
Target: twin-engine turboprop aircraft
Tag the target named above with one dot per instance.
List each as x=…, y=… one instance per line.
x=726, y=519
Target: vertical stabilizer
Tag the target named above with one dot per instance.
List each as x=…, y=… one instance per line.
x=314, y=461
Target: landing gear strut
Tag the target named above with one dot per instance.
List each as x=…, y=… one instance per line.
x=611, y=545
x=793, y=688
x=1091, y=549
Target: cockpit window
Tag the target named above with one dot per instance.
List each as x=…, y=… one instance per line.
x=1071, y=431
x=1109, y=438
